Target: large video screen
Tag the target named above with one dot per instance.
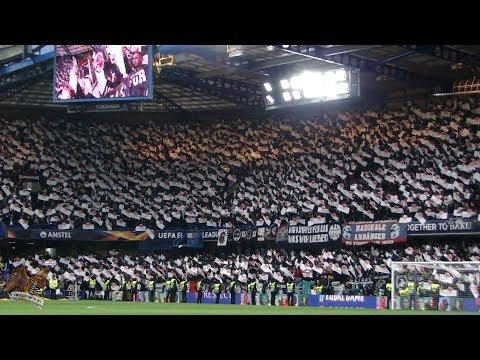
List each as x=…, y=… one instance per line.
x=102, y=73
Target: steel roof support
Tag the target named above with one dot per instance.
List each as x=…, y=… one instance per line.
x=396, y=57
x=355, y=61
x=36, y=59
x=446, y=53
x=166, y=103
x=22, y=82
x=244, y=94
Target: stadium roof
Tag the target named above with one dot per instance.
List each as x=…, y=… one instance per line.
x=208, y=77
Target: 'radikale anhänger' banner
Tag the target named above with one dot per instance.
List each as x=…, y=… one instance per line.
x=378, y=232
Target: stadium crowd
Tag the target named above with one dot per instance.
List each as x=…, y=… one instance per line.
x=362, y=270
x=409, y=165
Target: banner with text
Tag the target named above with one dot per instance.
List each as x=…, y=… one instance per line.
x=314, y=234
x=206, y=235
x=345, y=301
x=242, y=234
x=80, y=235
x=378, y=232
x=210, y=298
x=435, y=227
x=168, y=239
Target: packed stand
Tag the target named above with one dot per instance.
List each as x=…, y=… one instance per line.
x=364, y=270
x=408, y=165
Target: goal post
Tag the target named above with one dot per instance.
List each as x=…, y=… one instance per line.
x=435, y=286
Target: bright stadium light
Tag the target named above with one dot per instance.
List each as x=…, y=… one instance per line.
x=331, y=92
x=313, y=85
x=342, y=87
x=340, y=74
x=307, y=87
x=287, y=96
x=284, y=84
x=234, y=50
x=330, y=80
x=296, y=82
x=296, y=94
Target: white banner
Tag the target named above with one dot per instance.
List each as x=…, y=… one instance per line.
x=36, y=301
x=222, y=237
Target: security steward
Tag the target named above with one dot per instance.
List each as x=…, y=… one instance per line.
x=53, y=285
x=233, y=292
x=290, y=291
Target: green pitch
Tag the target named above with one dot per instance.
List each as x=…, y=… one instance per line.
x=92, y=307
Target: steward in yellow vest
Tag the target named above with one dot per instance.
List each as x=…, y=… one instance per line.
x=53, y=285
x=151, y=290
x=216, y=290
x=106, y=289
x=92, y=284
x=182, y=288
x=199, y=290
x=272, y=286
x=290, y=292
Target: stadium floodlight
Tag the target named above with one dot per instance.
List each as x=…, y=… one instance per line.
x=284, y=83
x=329, y=79
x=308, y=86
x=296, y=82
x=313, y=84
x=270, y=99
x=342, y=87
x=330, y=92
x=268, y=86
x=340, y=74
x=234, y=50
x=287, y=96
x=296, y=95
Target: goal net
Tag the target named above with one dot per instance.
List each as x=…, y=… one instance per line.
x=435, y=286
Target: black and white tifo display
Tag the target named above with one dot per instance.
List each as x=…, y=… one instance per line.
x=436, y=286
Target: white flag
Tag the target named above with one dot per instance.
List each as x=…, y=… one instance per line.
x=222, y=237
